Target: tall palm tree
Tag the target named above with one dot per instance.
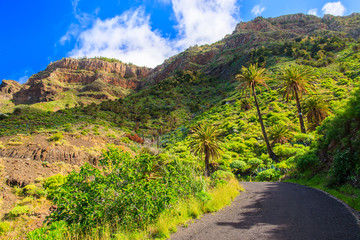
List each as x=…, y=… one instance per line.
x=205, y=140
x=316, y=110
x=295, y=82
x=249, y=79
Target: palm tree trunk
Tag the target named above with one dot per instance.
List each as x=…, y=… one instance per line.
x=207, y=163
x=302, y=125
x=271, y=153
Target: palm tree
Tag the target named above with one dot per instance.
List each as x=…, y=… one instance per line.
x=316, y=110
x=205, y=140
x=249, y=79
x=279, y=133
x=295, y=82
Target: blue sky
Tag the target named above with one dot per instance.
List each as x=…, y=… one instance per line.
x=35, y=33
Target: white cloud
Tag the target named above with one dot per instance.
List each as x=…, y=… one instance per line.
x=23, y=79
x=203, y=21
x=84, y=21
x=127, y=37
x=313, y=11
x=257, y=10
x=130, y=38
x=334, y=8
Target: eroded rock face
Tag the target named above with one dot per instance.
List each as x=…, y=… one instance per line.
x=68, y=74
x=8, y=88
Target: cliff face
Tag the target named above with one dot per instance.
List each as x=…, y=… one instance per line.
x=8, y=88
x=89, y=77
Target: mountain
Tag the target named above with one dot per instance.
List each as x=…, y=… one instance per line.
x=83, y=80
x=94, y=80
x=224, y=58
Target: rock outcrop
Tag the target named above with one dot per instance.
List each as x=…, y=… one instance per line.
x=94, y=78
x=50, y=154
x=8, y=88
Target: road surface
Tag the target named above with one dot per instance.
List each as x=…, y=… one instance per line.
x=276, y=211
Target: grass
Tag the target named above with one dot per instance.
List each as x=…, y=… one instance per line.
x=345, y=193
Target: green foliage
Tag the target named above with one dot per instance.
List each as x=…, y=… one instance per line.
x=345, y=167
x=237, y=165
x=4, y=228
x=205, y=141
x=19, y=210
x=54, y=231
x=222, y=175
x=52, y=184
x=56, y=137
x=129, y=191
x=308, y=161
x=268, y=175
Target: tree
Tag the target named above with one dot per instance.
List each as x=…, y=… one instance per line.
x=205, y=140
x=316, y=110
x=279, y=133
x=249, y=79
x=295, y=82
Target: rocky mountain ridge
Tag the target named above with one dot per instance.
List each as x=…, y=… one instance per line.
x=94, y=78
x=101, y=79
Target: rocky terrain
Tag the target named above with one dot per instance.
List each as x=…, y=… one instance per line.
x=8, y=88
x=94, y=78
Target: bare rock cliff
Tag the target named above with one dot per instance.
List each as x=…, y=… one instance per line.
x=8, y=88
x=98, y=78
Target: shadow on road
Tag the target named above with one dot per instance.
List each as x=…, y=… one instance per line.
x=289, y=211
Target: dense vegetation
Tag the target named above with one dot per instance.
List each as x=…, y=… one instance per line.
x=263, y=137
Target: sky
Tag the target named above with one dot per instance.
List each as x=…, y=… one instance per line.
x=38, y=32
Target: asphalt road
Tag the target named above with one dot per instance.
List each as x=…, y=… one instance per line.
x=276, y=211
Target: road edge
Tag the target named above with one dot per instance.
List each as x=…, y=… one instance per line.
x=353, y=212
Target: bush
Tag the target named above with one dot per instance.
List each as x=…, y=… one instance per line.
x=254, y=162
x=343, y=168
x=56, y=137
x=307, y=161
x=238, y=165
x=19, y=210
x=4, y=228
x=268, y=175
x=222, y=175
x=128, y=191
x=53, y=183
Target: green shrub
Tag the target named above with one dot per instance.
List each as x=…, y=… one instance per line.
x=254, y=162
x=4, y=228
x=309, y=160
x=51, y=184
x=19, y=210
x=54, y=231
x=268, y=175
x=56, y=137
x=344, y=166
x=29, y=189
x=238, y=165
x=26, y=200
x=128, y=191
x=222, y=175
